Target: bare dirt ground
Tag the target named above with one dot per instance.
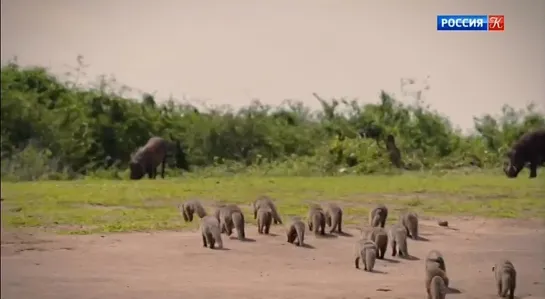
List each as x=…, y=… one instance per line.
x=175, y=265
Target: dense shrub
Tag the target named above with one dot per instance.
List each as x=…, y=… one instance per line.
x=57, y=129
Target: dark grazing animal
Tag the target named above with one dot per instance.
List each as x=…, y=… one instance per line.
x=506, y=278
x=264, y=220
x=334, y=217
x=296, y=232
x=529, y=148
x=265, y=201
x=191, y=207
x=154, y=152
x=409, y=221
x=210, y=230
x=378, y=216
x=316, y=220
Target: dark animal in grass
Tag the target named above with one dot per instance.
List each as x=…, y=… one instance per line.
x=265, y=201
x=398, y=240
x=146, y=159
x=264, y=220
x=378, y=216
x=432, y=271
x=296, y=232
x=393, y=151
x=380, y=237
x=528, y=149
x=334, y=217
x=409, y=220
x=210, y=230
x=224, y=214
x=366, y=252
x=437, y=257
x=438, y=289
x=506, y=278
x=191, y=207
x=316, y=220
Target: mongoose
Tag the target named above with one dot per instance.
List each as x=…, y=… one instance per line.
x=437, y=257
x=433, y=270
x=264, y=220
x=506, y=278
x=296, y=232
x=334, y=217
x=265, y=201
x=398, y=240
x=437, y=288
x=378, y=215
x=210, y=230
x=409, y=220
x=316, y=220
x=380, y=237
x=191, y=207
x=224, y=215
x=366, y=251
x=238, y=222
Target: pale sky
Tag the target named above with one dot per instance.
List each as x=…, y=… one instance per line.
x=228, y=52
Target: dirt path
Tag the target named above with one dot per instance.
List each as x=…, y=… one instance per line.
x=175, y=265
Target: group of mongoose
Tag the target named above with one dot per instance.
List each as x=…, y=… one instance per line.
x=372, y=244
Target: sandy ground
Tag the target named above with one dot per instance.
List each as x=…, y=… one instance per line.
x=175, y=265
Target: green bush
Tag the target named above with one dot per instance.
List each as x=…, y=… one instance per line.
x=59, y=130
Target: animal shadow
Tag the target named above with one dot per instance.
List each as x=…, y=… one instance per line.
x=410, y=258
x=375, y=271
x=390, y=260
x=271, y=234
x=249, y=240
x=307, y=246
x=420, y=238
x=451, y=290
x=222, y=249
x=327, y=236
x=343, y=234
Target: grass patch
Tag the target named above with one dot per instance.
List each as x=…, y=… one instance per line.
x=92, y=206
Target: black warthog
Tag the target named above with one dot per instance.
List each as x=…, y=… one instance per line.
x=148, y=157
x=529, y=148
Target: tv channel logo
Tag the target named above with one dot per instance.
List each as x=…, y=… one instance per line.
x=470, y=23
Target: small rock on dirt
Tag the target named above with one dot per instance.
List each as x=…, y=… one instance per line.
x=442, y=223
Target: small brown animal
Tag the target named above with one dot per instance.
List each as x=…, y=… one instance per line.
x=378, y=215
x=265, y=201
x=210, y=230
x=264, y=220
x=316, y=220
x=506, y=278
x=433, y=270
x=380, y=237
x=191, y=207
x=438, y=289
x=334, y=217
x=366, y=252
x=296, y=232
x=398, y=238
x=409, y=220
x=437, y=257
x=224, y=214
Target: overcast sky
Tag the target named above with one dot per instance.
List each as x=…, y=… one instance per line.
x=229, y=52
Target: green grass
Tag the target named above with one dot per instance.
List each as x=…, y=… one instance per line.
x=93, y=206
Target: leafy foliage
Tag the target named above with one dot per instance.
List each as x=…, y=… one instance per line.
x=57, y=129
